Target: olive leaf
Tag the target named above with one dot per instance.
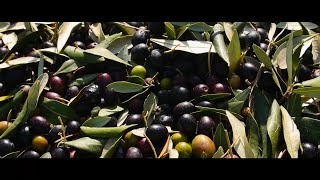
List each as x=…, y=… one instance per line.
x=84, y=80
x=191, y=46
x=315, y=82
x=316, y=49
x=194, y=26
x=110, y=147
x=219, y=44
x=51, y=109
x=210, y=97
x=125, y=87
x=289, y=59
x=228, y=29
x=19, y=61
x=254, y=135
x=261, y=114
x=64, y=32
x=105, y=132
x=106, y=54
x=140, y=132
x=135, y=79
x=291, y=133
x=220, y=137
x=122, y=117
x=125, y=27
x=79, y=56
x=117, y=44
x=296, y=25
x=272, y=30
x=3, y=98
x=4, y=26
x=68, y=66
x=97, y=31
x=29, y=105
x=219, y=153
x=46, y=155
x=262, y=56
x=171, y=33
x=14, y=154
x=242, y=96
x=98, y=121
x=108, y=39
x=149, y=106
x=297, y=33
x=215, y=110
x=124, y=53
x=107, y=111
x=308, y=91
x=41, y=63
x=88, y=144
x=10, y=39
x=234, y=52
x=242, y=145
x=274, y=126
x=293, y=105
x=17, y=99
x=309, y=129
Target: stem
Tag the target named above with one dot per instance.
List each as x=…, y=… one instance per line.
x=62, y=129
x=254, y=84
x=209, y=59
x=152, y=147
x=171, y=50
x=250, y=24
x=227, y=152
x=9, y=116
x=280, y=33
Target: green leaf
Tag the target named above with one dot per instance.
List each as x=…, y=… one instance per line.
x=53, y=51
x=262, y=56
x=276, y=80
x=10, y=39
x=68, y=66
x=181, y=30
x=261, y=114
x=79, y=56
x=254, y=135
x=107, y=111
x=316, y=49
x=140, y=132
x=135, y=79
x=171, y=33
x=97, y=32
x=29, y=105
x=98, y=121
x=272, y=30
x=51, y=109
x=285, y=38
x=105, y=43
x=289, y=59
x=239, y=26
x=14, y=154
x=46, y=155
x=128, y=29
x=308, y=91
x=110, y=147
x=149, y=106
x=236, y=106
x=228, y=30
x=125, y=87
x=64, y=32
x=309, y=129
x=122, y=117
x=194, y=47
x=105, y=132
x=296, y=61
x=41, y=64
x=117, y=44
x=17, y=99
x=87, y=144
x=210, y=97
x=3, y=98
x=274, y=126
x=84, y=80
x=242, y=145
x=78, y=96
x=215, y=110
x=296, y=25
x=4, y=26
x=219, y=153
x=219, y=138
x=241, y=96
x=194, y=26
x=19, y=61
x=291, y=133
x=106, y=54
x=234, y=52
x=124, y=54
x=315, y=82
x=218, y=42
x=293, y=105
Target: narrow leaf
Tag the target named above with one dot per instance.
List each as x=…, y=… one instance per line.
x=84, y=80
x=125, y=87
x=19, y=61
x=10, y=39
x=116, y=45
x=68, y=66
x=234, y=52
x=98, y=121
x=242, y=145
x=122, y=117
x=194, y=47
x=309, y=129
x=46, y=155
x=128, y=29
x=308, y=91
x=107, y=111
x=218, y=42
x=171, y=33
x=149, y=106
x=219, y=153
x=110, y=147
x=254, y=135
x=87, y=144
x=105, y=132
x=96, y=28
x=274, y=126
x=262, y=56
x=316, y=49
x=64, y=32
x=315, y=82
x=289, y=59
x=106, y=54
x=210, y=97
x=291, y=133
x=173, y=154
x=220, y=138
x=293, y=105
